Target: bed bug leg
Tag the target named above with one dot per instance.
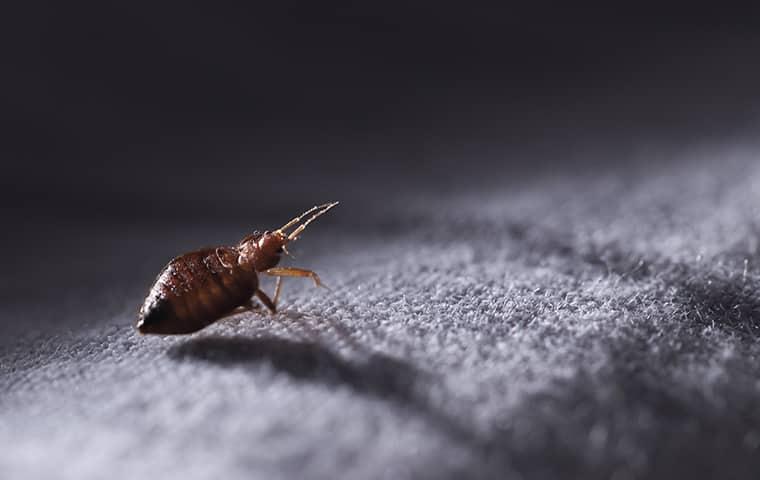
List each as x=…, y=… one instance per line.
x=270, y=304
x=277, y=288
x=295, y=272
x=266, y=300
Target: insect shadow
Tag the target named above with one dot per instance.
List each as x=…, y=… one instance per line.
x=376, y=374
x=371, y=374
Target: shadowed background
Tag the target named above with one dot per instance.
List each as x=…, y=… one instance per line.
x=154, y=108
x=543, y=263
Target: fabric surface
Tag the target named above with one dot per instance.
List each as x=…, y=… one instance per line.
x=591, y=324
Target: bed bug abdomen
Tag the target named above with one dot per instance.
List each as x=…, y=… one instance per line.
x=160, y=318
x=194, y=290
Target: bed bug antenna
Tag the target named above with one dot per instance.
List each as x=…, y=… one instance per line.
x=298, y=218
x=322, y=210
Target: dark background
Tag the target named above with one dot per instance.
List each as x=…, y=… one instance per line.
x=144, y=111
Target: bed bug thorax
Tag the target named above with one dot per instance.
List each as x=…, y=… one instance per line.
x=200, y=287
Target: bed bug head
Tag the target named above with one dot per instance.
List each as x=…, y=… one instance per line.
x=266, y=248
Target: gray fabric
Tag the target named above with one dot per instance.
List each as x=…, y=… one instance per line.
x=601, y=324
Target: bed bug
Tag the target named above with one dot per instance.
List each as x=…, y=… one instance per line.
x=198, y=288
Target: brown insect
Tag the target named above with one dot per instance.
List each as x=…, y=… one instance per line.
x=198, y=288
